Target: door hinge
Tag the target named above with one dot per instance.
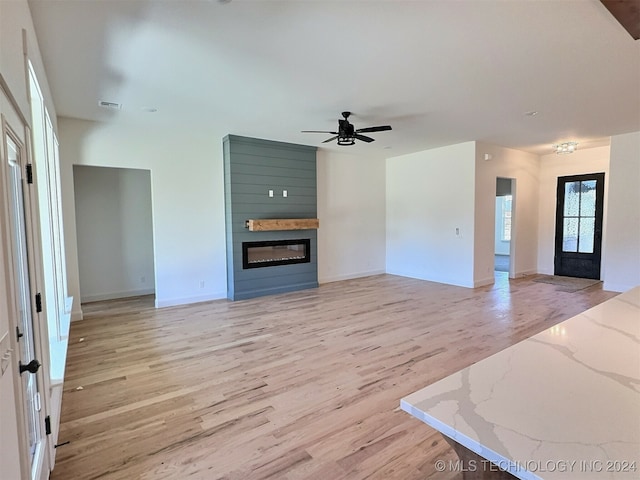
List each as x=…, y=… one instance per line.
x=38, y=302
x=29, y=173
x=47, y=425
x=19, y=334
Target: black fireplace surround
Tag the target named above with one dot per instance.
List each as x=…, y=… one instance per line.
x=275, y=252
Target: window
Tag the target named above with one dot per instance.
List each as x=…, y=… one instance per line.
x=506, y=218
x=46, y=162
x=579, y=216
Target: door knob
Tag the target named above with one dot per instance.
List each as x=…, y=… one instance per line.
x=31, y=367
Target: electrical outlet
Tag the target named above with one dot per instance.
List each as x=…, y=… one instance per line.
x=201, y=283
x=143, y=279
x=284, y=193
x=271, y=193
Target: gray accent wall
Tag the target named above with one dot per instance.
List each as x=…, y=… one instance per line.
x=252, y=167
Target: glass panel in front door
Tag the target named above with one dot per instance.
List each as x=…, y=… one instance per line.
x=25, y=322
x=579, y=216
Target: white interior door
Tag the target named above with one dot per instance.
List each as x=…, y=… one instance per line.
x=28, y=350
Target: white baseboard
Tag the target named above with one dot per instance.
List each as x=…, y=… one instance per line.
x=545, y=271
x=350, y=276
x=420, y=276
x=484, y=282
x=76, y=314
x=172, y=302
x=526, y=273
x=616, y=287
x=113, y=295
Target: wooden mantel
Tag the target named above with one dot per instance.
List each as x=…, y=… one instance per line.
x=270, y=224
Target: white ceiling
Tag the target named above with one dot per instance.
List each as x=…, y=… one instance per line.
x=440, y=72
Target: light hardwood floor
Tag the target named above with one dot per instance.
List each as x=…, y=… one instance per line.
x=303, y=385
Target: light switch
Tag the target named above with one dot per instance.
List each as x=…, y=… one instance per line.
x=271, y=193
x=284, y=193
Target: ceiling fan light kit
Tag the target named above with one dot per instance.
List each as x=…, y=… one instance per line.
x=565, y=148
x=347, y=134
x=346, y=141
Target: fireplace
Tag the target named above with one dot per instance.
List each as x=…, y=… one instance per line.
x=275, y=252
x=270, y=217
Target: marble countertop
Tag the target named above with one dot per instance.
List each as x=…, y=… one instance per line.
x=563, y=404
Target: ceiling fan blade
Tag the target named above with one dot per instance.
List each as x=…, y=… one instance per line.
x=318, y=131
x=364, y=139
x=330, y=139
x=381, y=128
x=627, y=14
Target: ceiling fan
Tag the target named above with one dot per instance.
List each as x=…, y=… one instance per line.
x=347, y=134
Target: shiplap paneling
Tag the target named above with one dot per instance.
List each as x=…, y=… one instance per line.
x=252, y=167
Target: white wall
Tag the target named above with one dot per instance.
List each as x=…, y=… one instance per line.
x=14, y=18
x=188, y=200
x=524, y=169
x=188, y=205
x=430, y=194
x=115, y=232
x=552, y=166
x=351, y=209
x=622, y=225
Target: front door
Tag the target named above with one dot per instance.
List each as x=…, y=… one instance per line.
x=579, y=225
x=28, y=349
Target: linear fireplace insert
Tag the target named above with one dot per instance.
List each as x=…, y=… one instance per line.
x=275, y=252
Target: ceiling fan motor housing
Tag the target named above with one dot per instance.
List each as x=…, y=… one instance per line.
x=345, y=129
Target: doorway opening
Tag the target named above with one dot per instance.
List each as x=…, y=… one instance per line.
x=503, y=226
x=114, y=226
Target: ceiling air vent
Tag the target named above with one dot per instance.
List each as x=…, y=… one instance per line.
x=110, y=105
